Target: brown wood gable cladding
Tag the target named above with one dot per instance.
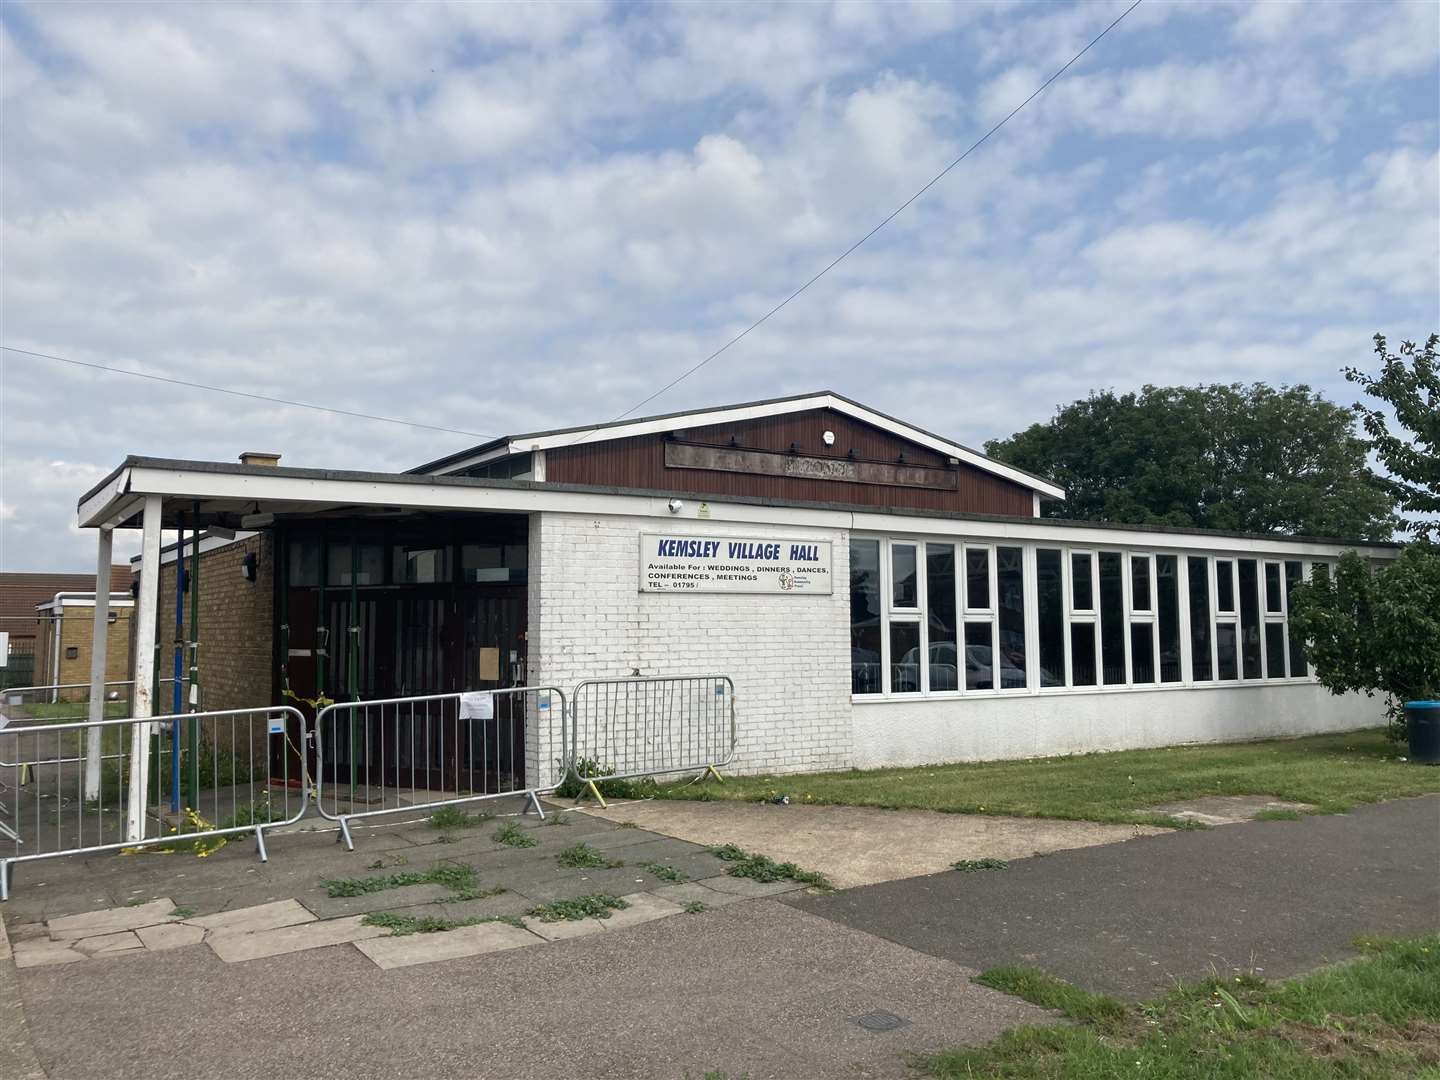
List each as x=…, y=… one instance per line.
x=935, y=484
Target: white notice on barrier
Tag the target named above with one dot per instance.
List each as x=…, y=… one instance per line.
x=477, y=705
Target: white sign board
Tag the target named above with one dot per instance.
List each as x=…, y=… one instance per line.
x=477, y=705
x=734, y=564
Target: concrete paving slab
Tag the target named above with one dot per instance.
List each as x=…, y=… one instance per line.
x=170, y=936
x=26, y=931
x=642, y=908
x=236, y=948
x=41, y=951
x=412, y=949
x=565, y=929
x=108, y=920
x=332, y=907
x=858, y=845
x=693, y=891
x=759, y=989
x=250, y=920
x=1214, y=810
x=105, y=944
x=749, y=887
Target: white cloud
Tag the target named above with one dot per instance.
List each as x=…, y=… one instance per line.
x=503, y=218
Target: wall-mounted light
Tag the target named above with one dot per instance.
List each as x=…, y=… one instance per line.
x=247, y=567
x=675, y=506
x=828, y=438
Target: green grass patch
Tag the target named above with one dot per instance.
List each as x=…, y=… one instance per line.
x=459, y=879
x=663, y=872
x=403, y=925
x=62, y=712
x=1377, y=1016
x=452, y=817
x=594, y=906
x=512, y=835
x=585, y=857
x=972, y=866
x=1278, y=815
x=745, y=864
x=1043, y=989
x=1334, y=773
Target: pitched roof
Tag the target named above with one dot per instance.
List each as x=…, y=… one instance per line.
x=20, y=592
x=558, y=438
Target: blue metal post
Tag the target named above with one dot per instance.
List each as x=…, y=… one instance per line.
x=179, y=697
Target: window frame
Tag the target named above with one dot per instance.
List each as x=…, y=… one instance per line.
x=989, y=615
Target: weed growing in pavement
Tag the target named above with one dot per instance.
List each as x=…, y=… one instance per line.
x=382, y=862
x=557, y=819
x=626, y=825
x=694, y=907
x=445, y=838
x=403, y=925
x=512, y=835
x=595, y=906
x=182, y=913
x=459, y=879
x=971, y=866
x=585, y=857
x=663, y=872
x=1278, y=815
x=762, y=868
x=452, y=817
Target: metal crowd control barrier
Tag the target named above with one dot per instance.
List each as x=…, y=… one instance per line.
x=65, y=701
x=241, y=771
x=625, y=728
x=421, y=753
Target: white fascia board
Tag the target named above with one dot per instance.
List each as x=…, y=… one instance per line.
x=473, y=460
x=1080, y=535
x=776, y=408
x=108, y=505
x=188, y=484
x=117, y=600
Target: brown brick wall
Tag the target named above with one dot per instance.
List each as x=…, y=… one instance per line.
x=77, y=631
x=236, y=626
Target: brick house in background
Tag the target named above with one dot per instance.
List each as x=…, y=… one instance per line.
x=20, y=595
x=63, y=649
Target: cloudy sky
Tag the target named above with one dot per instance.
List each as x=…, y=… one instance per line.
x=497, y=218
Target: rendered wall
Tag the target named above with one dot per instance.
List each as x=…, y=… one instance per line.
x=1035, y=725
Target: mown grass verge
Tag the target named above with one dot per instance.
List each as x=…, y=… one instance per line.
x=1334, y=773
x=1372, y=1017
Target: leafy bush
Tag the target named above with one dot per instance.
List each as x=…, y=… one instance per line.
x=572, y=787
x=1376, y=631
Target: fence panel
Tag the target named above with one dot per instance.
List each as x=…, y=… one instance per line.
x=210, y=775
x=622, y=728
x=420, y=753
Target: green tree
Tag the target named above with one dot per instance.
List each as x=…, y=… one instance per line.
x=1409, y=383
x=1247, y=458
x=1372, y=630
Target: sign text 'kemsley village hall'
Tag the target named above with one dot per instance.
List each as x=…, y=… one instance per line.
x=733, y=564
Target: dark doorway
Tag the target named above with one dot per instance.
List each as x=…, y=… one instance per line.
x=369, y=611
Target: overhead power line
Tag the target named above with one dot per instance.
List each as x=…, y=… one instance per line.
x=886, y=221
x=245, y=394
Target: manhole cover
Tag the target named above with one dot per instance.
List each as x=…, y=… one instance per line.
x=880, y=1020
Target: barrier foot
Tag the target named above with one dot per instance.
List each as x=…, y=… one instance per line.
x=710, y=770
x=590, y=787
x=345, y=834
x=260, y=844
x=6, y=869
x=536, y=804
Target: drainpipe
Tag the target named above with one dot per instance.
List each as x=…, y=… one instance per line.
x=177, y=696
x=194, y=725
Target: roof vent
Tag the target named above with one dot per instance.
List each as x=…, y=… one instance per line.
x=259, y=457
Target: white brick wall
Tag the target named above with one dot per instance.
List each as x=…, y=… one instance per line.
x=789, y=656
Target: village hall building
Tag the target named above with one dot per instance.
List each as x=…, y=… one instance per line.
x=878, y=594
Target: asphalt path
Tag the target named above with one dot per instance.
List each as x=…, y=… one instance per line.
x=1278, y=897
